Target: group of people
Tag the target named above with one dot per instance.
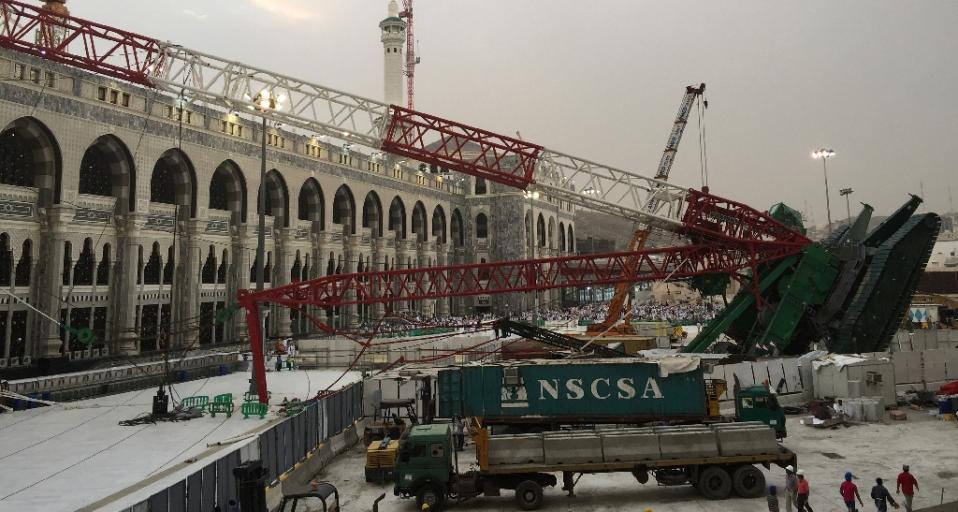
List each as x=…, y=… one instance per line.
x=797, y=491
x=686, y=313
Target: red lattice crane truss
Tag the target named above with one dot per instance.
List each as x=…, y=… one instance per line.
x=724, y=236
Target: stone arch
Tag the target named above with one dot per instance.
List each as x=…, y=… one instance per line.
x=312, y=204
x=228, y=190
x=482, y=226
x=562, y=236
x=397, y=218
x=174, y=181
x=344, y=209
x=439, y=224
x=373, y=214
x=276, y=199
x=456, y=231
x=419, y=225
x=570, y=239
x=30, y=157
x=107, y=169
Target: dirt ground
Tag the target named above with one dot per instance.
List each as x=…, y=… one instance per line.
x=928, y=445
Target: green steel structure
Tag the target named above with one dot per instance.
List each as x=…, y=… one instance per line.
x=848, y=291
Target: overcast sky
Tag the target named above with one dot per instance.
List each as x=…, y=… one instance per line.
x=874, y=80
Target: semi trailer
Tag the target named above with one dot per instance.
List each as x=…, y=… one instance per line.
x=545, y=394
x=718, y=460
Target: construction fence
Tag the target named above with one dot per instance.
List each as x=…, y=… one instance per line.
x=279, y=448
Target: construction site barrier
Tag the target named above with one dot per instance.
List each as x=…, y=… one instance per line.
x=282, y=447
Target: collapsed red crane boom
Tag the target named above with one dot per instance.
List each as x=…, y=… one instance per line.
x=726, y=236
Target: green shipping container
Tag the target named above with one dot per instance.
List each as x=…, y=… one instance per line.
x=587, y=391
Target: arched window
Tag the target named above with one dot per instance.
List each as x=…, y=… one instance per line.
x=103, y=268
x=344, y=209
x=541, y=231
x=570, y=240
x=208, y=275
x=170, y=265
x=480, y=186
x=107, y=170
x=30, y=157
x=228, y=191
x=456, y=230
x=6, y=260
x=83, y=272
x=151, y=272
x=25, y=264
x=277, y=199
x=439, y=224
x=373, y=214
x=174, y=182
x=419, y=222
x=312, y=204
x=482, y=226
x=397, y=218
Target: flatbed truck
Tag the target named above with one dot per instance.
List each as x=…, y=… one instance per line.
x=716, y=459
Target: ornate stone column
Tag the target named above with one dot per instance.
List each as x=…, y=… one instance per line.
x=186, y=284
x=244, y=250
x=351, y=250
x=50, y=275
x=442, y=259
x=281, y=244
x=123, y=287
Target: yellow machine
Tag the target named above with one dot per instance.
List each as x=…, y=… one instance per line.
x=382, y=435
x=380, y=459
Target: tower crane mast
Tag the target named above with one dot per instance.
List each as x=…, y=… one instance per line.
x=411, y=59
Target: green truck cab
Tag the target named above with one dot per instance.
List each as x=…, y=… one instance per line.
x=424, y=466
x=757, y=403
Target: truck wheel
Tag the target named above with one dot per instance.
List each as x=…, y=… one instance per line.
x=529, y=495
x=715, y=483
x=431, y=495
x=748, y=482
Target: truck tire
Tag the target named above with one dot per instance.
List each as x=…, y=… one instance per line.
x=529, y=495
x=748, y=482
x=715, y=483
x=429, y=494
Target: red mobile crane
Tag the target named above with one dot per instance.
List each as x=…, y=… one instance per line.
x=724, y=236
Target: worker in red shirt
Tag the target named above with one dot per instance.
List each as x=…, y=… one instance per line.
x=801, y=498
x=849, y=492
x=907, y=485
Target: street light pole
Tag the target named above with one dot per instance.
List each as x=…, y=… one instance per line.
x=824, y=154
x=848, y=209
x=266, y=101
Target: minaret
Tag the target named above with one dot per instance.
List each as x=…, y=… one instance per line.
x=394, y=40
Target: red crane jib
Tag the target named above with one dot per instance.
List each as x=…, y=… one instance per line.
x=460, y=147
x=106, y=50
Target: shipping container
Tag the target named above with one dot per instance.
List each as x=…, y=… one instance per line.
x=622, y=390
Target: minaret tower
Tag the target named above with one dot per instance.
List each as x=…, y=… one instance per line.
x=394, y=39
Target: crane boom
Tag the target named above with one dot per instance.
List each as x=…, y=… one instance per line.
x=641, y=234
x=411, y=59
